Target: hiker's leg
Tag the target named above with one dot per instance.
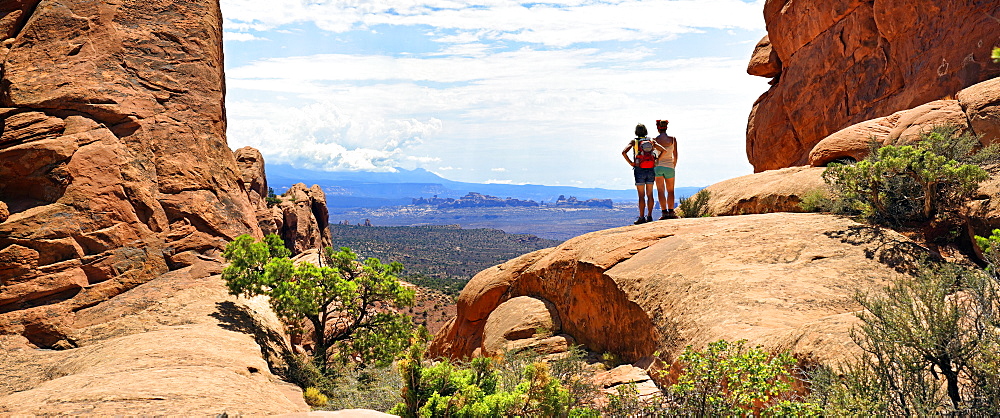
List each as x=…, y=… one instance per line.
x=661, y=192
x=649, y=200
x=670, y=193
x=640, y=188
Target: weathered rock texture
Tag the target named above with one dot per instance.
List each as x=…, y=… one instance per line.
x=303, y=219
x=117, y=194
x=784, y=281
x=113, y=159
x=175, y=346
x=251, y=166
x=299, y=216
x=977, y=110
x=847, y=61
x=771, y=191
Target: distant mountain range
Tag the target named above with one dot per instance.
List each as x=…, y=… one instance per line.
x=372, y=189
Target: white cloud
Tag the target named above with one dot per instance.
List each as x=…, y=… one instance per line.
x=557, y=23
x=526, y=105
x=501, y=85
x=498, y=169
x=321, y=136
x=240, y=37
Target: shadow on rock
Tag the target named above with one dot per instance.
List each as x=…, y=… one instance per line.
x=273, y=345
x=886, y=247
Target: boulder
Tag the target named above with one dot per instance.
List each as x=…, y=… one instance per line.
x=783, y=280
x=854, y=142
x=769, y=191
x=981, y=103
x=976, y=111
x=4, y=212
x=847, y=61
x=764, y=62
x=305, y=219
x=519, y=318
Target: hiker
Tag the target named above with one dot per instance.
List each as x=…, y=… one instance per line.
x=664, y=170
x=642, y=169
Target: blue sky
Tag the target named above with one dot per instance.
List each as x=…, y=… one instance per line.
x=492, y=90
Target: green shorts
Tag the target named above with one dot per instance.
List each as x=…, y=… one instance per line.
x=665, y=172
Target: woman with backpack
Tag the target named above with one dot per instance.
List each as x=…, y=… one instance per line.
x=664, y=171
x=642, y=169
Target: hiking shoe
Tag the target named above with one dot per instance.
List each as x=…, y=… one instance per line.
x=641, y=220
x=649, y=218
x=663, y=216
x=670, y=214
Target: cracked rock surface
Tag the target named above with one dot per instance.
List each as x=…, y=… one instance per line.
x=781, y=280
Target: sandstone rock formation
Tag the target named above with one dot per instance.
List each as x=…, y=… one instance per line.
x=303, y=218
x=117, y=193
x=176, y=346
x=113, y=159
x=847, y=61
x=977, y=110
x=785, y=281
x=251, y=166
x=771, y=191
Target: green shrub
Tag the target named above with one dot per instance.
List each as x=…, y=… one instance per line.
x=996, y=55
x=695, y=206
x=314, y=397
x=488, y=388
x=352, y=299
x=816, y=201
x=912, y=183
x=729, y=379
x=930, y=345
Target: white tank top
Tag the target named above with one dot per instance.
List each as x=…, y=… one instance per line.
x=667, y=158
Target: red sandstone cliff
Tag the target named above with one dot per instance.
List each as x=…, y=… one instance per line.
x=113, y=159
x=117, y=193
x=840, y=62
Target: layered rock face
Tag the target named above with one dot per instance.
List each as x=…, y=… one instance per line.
x=304, y=220
x=785, y=281
x=299, y=216
x=976, y=110
x=113, y=161
x=836, y=63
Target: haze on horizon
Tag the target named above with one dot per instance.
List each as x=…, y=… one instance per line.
x=492, y=91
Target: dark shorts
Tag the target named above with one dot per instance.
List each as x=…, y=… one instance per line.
x=643, y=175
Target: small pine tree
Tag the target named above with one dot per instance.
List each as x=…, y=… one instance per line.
x=350, y=303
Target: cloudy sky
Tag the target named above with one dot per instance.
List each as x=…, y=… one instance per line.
x=500, y=91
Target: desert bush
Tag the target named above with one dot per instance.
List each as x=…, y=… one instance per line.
x=996, y=55
x=695, y=206
x=730, y=379
x=350, y=303
x=816, y=200
x=912, y=183
x=929, y=346
x=314, y=397
x=375, y=388
x=486, y=387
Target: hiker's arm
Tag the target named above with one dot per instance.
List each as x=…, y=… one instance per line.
x=625, y=154
x=675, y=151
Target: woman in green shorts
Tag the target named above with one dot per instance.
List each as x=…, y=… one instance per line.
x=664, y=170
